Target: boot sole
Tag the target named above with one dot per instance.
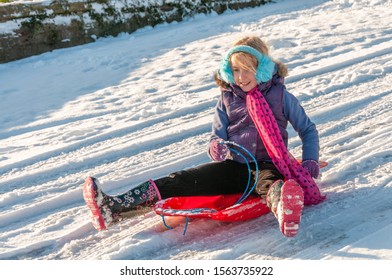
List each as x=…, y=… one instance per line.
x=90, y=194
x=292, y=201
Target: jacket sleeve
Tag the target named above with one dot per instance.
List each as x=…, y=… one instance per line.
x=302, y=124
x=219, y=123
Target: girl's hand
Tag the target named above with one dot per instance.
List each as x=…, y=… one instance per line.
x=312, y=167
x=218, y=150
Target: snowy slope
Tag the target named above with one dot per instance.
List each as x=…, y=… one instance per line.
x=139, y=106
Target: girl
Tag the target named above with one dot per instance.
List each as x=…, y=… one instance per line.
x=253, y=111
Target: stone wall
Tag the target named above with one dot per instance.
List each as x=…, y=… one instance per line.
x=31, y=29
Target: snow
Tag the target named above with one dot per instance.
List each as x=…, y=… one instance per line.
x=140, y=106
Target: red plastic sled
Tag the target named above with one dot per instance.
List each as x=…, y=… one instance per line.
x=219, y=207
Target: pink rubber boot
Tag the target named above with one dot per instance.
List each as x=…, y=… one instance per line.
x=286, y=201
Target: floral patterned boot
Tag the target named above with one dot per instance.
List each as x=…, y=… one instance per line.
x=107, y=209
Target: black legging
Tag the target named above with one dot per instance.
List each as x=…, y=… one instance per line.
x=217, y=178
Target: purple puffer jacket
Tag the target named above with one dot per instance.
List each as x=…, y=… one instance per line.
x=232, y=121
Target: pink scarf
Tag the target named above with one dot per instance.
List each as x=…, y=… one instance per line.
x=286, y=164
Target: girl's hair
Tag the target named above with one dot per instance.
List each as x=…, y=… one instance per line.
x=249, y=62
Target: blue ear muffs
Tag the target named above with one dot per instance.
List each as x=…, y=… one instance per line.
x=264, y=71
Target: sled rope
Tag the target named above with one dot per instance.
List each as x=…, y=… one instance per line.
x=186, y=224
x=246, y=193
x=164, y=222
x=169, y=227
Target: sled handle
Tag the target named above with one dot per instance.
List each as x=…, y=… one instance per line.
x=249, y=175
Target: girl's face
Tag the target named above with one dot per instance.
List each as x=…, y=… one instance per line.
x=244, y=77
